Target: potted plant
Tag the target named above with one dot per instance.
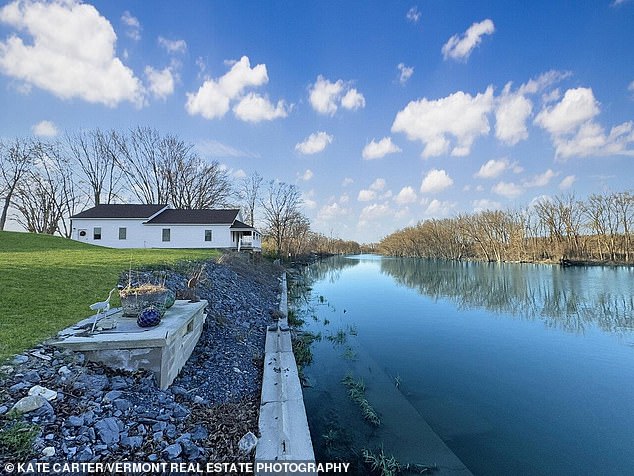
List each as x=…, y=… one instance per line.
x=135, y=298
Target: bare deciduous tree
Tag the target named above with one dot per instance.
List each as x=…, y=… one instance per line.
x=95, y=152
x=281, y=207
x=46, y=198
x=249, y=193
x=192, y=183
x=16, y=160
x=602, y=220
x=298, y=231
x=141, y=157
x=624, y=205
x=165, y=169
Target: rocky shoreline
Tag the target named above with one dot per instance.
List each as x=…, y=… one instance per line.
x=101, y=415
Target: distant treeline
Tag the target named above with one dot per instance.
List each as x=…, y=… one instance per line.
x=598, y=228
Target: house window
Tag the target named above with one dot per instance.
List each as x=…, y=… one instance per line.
x=166, y=234
x=96, y=233
x=208, y=235
x=123, y=233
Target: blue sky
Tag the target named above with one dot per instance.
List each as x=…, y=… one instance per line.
x=382, y=113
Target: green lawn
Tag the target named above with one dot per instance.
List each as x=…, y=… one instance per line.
x=48, y=282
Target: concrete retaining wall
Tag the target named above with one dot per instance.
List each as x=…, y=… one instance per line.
x=284, y=433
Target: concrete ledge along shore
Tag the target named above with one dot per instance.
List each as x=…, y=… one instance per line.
x=284, y=433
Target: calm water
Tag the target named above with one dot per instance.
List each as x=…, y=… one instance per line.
x=520, y=369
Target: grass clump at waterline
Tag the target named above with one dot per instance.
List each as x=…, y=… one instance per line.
x=340, y=337
x=381, y=463
x=294, y=320
x=356, y=392
x=301, y=343
x=48, y=283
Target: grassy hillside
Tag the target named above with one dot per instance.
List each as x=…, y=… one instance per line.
x=48, y=282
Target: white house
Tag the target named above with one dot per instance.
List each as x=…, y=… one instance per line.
x=159, y=226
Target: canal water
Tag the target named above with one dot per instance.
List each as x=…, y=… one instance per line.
x=519, y=368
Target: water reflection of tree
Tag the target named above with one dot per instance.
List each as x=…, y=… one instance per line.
x=561, y=298
x=328, y=270
x=301, y=283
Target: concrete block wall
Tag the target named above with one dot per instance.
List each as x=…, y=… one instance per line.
x=284, y=433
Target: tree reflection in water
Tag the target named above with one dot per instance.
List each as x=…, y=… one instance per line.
x=563, y=298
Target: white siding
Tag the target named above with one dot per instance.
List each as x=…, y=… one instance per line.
x=139, y=235
x=189, y=236
x=135, y=232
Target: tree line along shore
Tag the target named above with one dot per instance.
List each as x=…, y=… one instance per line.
x=563, y=229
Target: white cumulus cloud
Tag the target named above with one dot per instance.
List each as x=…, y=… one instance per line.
x=435, y=181
x=133, y=25
x=378, y=184
x=433, y=122
x=377, y=150
x=325, y=96
x=459, y=47
x=577, y=106
x=513, y=190
x=76, y=61
x=353, y=100
x=307, y=200
x=413, y=14
x=332, y=211
x=172, y=46
x=405, y=196
x=366, y=195
x=567, y=182
x=485, y=204
x=45, y=129
x=160, y=83
x=511, y=114
x=574, y=132
x=543, y=81
x=307, y=175
x=314, y=143
x=513, y=109
x=213, y=98
x=551, y=96
x=507, y=189
x=493, y=168
x=405, y=72
x=437, y=208
x=374, y=212
x=591, y=140
x=541, y=180
x=256, y=108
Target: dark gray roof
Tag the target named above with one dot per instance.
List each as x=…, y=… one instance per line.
x=195, y=217
x=120, y=211
x=239, y=224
